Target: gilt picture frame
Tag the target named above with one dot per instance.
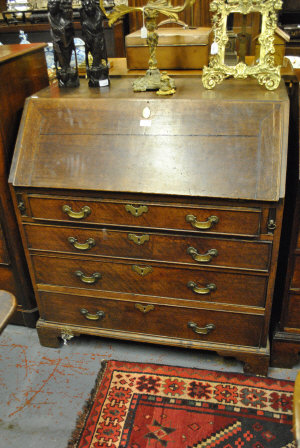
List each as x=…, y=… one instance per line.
x=264, y=69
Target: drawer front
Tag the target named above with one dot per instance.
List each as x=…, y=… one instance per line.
x=158, y=320
x=234, y=221
x=136, y=278
x=292, y=319
x=149, y=246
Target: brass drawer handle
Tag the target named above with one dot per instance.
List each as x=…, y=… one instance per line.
x=142, y=270
x=136, y=211
x=99, y=314
x=144, y=308
x=90, y=242
x=139, y=240
x=86, y=279
x=202, y=225
x=202, y=258
x=84, y=212
x=204, y=330
x=202, y=291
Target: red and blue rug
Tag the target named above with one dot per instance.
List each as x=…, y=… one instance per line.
x=155, y=406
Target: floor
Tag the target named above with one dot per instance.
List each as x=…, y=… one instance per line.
x=42, y=390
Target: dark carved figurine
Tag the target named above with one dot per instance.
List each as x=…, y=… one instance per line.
x=93, y=36
x=60, y=17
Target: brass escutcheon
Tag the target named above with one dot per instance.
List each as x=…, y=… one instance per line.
x=202, y=291
x=201, y=330
x=99, y=314
x=142, y=270
x=136, y=211
x=206, y=225
x=84, y=212
x=90, y=280
x=202, y=258
x=138, y=239
x=90, y=242
x=144, y=308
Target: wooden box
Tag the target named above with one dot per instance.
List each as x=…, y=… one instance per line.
x=178, y=49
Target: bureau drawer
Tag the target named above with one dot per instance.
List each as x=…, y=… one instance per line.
x=292, y=319
x=150, y=246
x=222, y=220
x=160, y=281
x=158, y=320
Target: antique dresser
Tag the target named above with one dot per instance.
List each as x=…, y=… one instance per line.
x=154, y=219
x=23, y=71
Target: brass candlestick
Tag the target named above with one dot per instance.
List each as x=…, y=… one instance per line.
x=153, y=79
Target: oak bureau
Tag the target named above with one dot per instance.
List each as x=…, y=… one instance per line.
x=154, y=219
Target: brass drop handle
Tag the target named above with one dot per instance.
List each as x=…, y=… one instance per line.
x=204, y=330
x=144, y=308
x=202, y=258
x=84, y=212
x=86, y=279
x=90, y=242
x=138, y=239
x=202, y=291
x=136, y=211
x=208, y=224
x=99, y=314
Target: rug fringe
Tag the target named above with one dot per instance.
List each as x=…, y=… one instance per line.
x=82, y=418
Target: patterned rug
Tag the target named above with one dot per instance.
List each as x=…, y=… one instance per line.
x=156, y=406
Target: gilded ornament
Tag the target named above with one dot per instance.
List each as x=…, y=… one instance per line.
x=153, y=79
x=265, y=71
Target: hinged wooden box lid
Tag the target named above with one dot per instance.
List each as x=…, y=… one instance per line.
x=178, y=48
x=227, y=143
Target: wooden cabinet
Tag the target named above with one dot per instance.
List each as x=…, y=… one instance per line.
x=162, y=229
x=23, y=71
x=286, y=331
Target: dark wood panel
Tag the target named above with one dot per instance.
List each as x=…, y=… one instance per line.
x=121, y=315
x=23, y=71
x=149, y=246
x=160, y=281
x=234, y=221
x=293, y=314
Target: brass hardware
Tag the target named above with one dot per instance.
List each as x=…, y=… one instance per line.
x=202, y=258
x=206, y=290
x=99, y=314
x=144, y=308
x=264, y=71
x=84, y=212
x=90, y=242
x=67, y=335
x=136, y=211
x=142, y=270
x=139, y=240
x=272, y=225
x=86, y=279
x=21, y=204
x=208, y=224
x=204, y=330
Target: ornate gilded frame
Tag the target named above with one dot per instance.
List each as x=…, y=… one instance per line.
x=264, y=71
